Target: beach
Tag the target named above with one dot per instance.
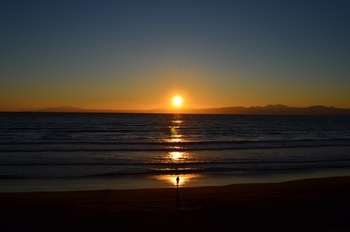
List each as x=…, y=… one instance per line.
x=320, y=204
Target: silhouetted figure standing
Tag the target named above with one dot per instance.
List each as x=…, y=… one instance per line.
x=177, y=193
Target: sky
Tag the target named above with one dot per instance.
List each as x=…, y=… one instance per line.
x=136, y=55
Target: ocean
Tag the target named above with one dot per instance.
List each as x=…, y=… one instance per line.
x=83, y=151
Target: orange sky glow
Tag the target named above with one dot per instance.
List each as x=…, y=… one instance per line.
x=214, y=55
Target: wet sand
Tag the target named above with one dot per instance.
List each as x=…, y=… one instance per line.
x=305, y=205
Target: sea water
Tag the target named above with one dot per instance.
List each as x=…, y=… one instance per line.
x=78, y=151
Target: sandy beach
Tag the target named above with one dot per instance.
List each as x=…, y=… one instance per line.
x=304, y=205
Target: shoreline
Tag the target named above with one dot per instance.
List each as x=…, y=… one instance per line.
x=319, y=204
x=161, y=181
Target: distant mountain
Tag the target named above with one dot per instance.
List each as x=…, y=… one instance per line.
x=70, y=109
x=280, y=110
x=254, y=110
x=63, y=109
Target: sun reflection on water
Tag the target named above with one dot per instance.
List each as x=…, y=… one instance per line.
x=176, y=155
x=175, y=130
x=175, y=135
x=184, y=179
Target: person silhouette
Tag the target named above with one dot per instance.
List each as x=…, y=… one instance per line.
x=177, y=193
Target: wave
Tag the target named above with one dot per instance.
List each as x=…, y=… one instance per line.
x=176, y=171
x=178, y=164
x=87, y=146
x=239, y=141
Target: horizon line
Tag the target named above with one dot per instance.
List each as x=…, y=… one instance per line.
x=278, y=109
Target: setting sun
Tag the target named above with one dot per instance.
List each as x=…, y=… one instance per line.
x=177, y=101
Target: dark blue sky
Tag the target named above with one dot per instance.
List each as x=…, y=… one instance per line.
x=136, y=54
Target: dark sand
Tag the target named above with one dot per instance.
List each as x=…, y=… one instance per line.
x=305, y=205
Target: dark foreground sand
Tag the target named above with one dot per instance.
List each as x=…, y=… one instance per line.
x=304, y=205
